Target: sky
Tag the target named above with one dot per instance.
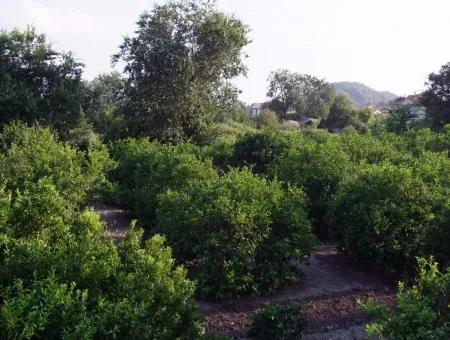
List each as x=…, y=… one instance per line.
x=386, y=44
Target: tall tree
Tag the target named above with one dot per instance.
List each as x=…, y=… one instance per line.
x=182, y=54
x=436, y=98
x=399, y=118
x=102, y=105
x=341, y=113
x=37, y=83
x=302, y=93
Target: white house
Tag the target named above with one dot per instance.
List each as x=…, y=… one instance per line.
x=255, y=109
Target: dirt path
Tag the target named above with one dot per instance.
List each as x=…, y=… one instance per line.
x=329, y=289
x=117, y=220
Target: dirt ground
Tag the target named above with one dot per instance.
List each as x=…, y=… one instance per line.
x=118, y=220
x=330, y=288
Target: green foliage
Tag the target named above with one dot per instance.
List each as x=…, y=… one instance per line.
x=340, y=114
x=423, y=311
x=258, y=150
x=436, y=98
x=223, y=133
x=278, y=322
x=239, y=233
x=399, y=119
x=386, y=215
x=47, y=309
x=103, y=102
x=147, y=169
x=99, y=289
x=316, y=166
x=61, y=276
x=268, y=119
x=178, y=65
x=37, y=83
x=28, y=155
x=302, y=93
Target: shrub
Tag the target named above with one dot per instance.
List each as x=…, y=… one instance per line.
x=239, y=233
x=48, y=310
x=278, y=322
x=423, y=311
x=147, y=169
x=268, y=120
x=258, y=150
x=385, y=215
x=318, y=167
x=99, y=288
x=30, y=154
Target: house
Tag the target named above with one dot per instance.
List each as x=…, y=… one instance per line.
x=255, y=110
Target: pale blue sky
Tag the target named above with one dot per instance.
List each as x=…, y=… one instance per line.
x=386, y=44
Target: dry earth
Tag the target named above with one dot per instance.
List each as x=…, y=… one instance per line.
x=330, y=288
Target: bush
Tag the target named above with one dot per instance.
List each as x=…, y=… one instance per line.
x=318, y=167
x=258, y=150
x=423, y=311
x=278, y=322
x=385, y=216
x=268, y=120
x=47, y=309
x=28, y=155
x=79, y=285
x=147, y=169
x=239, y=233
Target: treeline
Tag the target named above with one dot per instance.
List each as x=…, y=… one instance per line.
x=229, y=205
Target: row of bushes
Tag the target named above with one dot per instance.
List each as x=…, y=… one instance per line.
x=236, y=232
x=384, y=198
x=61, y=277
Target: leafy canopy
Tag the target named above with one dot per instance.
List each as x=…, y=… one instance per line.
x=178, y=64
x=38, y=83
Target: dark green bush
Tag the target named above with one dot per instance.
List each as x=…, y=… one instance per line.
x=423, y=311
x=258, y=150
x=386, y=216
x=147, y=169
x=318, y=167
x=239, y=233
x=278, y=322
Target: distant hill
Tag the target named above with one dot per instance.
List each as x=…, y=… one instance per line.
x=362, y=95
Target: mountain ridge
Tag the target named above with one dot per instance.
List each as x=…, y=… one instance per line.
x=362, y=95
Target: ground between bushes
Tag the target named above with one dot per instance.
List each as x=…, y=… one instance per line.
x=330, y=287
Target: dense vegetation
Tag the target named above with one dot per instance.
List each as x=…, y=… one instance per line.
x=423, y=310
x=278, y=322
x=226, y=204
x=61, y=276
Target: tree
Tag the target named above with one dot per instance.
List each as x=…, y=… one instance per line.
x=37, y=83
x=436, y=98
x=180, y=58
x=341, y=113
x=302, y=93
x=398, y=118
x=102, y=104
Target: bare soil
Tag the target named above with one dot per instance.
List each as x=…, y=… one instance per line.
x=117, y=220
x=330, y=288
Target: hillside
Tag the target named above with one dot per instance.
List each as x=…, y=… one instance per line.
x=362, y=95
